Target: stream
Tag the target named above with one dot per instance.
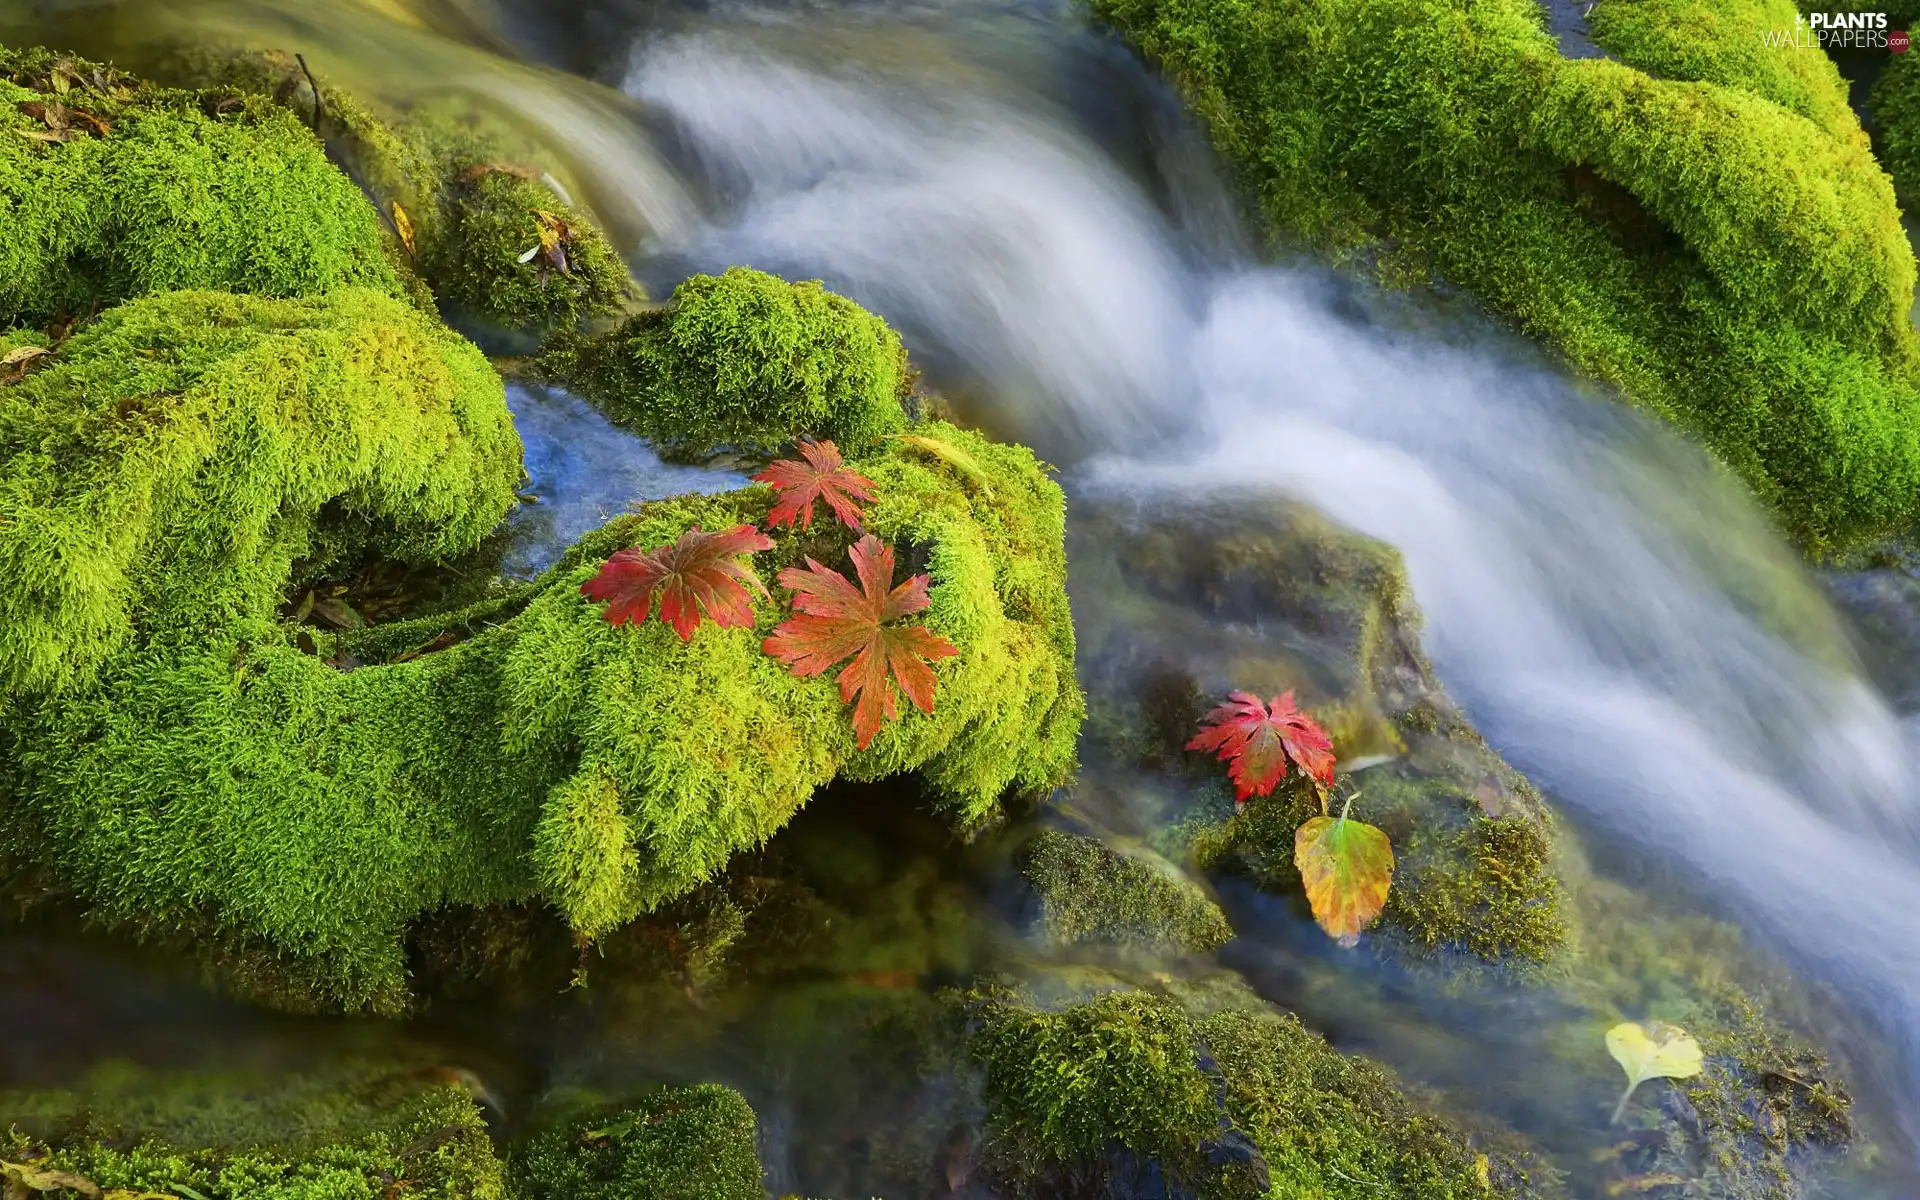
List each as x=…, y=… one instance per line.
x=1052, y=236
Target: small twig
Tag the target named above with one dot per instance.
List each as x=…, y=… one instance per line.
x=1351, y=1179
x=319, y=108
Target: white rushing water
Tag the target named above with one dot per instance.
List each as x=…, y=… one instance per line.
x=1611, y=609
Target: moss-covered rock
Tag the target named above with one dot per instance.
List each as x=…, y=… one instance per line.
x=184, y=754
x=462, y=188
x=684, y=1143
x=1177, y=609
x=349, y=1132
x=161, y=473
x=1099, y=1096
x=748, y=361
x=111, y=189
x=1092, y=893
x=1713, y=237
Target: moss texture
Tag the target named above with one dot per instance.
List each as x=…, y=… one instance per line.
x=1178, y=609
x=467, y=183
x=348, y=1133
x=748, y=361
x=167, y=190
x=1092, y=893
x=686, y=1143
x=1709, y=233
x=1234, y=1101
x=186, y=757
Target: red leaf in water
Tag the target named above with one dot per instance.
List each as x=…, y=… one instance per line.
x=824, y=476
x=700, y=573
x=1258, y=743
x=836, y=620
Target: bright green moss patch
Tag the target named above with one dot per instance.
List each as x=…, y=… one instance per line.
x=1723, y=42
x=345, y=1134
x=161, y=473
x=1240, y=1102
x=1714, y=237
x=685, y=1143
x=165, y=190
x=745, y=360
x=1091, y=893
x=181, y=757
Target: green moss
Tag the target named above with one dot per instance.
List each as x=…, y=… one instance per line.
x=184, y=758
x=179, y=191
x=1235, y=1101
x=1722, y=43
x=460, y=175
x=347, y=1133
x=1896, y=116
x=1091, y=893
x=685, y=1143
x=1729, y=263
x=748, y=361
x=162, y=472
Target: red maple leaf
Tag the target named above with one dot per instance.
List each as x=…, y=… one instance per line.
x=824, y=476
x=700, y=573
x=1258, y=743
x=837, y=619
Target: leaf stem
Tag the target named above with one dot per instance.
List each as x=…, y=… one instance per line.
x=1620, y=1109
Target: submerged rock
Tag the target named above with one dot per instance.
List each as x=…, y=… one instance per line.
x=1221, y=1098
x=1090, y=892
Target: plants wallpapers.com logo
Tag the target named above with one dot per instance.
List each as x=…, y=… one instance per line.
x=1839, y=31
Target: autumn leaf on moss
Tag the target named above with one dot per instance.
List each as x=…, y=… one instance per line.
x=835, y=620
x=556, y=239
x=1347, y=869
x=1257, y=742
x=824, y=476
x=699, y=574
x=403, y=225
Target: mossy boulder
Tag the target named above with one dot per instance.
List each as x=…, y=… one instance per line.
x=461, y=186
x=1177, y=608
x=684, y=1143
x=348, y=1132
x=748, y=361
x=163, y=471
x=112, y=189
x=1092, y=893
x=1104, y=1095
x=1699, y=224
x=183, y=754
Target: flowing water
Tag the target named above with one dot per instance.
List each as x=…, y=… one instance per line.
x=1009, y=188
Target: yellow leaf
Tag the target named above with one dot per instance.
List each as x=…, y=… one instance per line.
x=1654, y=1050
x=966, y=464
x=1347, y=868
x=1482, y=1172
x=20, y=354
x=37, y=1180
x=403, y=225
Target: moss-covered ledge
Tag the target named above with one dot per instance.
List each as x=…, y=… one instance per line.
x=183, y=754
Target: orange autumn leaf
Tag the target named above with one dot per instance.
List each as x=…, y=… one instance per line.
x=835, y=620
x=1347, y=869
x=1257, y=743
x=824, y=476
x=700, y=574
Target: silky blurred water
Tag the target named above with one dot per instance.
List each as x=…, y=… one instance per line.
x=1008, y=187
